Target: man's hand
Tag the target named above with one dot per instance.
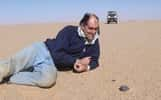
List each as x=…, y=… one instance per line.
x=80, y=68
x=81, y=65
x=85, y=60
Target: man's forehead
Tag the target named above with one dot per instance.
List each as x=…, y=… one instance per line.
x=93, y=22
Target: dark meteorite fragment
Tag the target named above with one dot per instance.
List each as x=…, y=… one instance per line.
x=124, y=88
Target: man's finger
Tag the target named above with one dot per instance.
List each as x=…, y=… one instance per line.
x=89, y=57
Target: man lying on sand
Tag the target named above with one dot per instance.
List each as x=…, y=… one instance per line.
x=75, y=47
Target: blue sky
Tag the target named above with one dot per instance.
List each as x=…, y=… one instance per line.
x=33, y=11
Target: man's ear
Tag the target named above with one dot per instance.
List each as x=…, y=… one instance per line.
x=83, y=28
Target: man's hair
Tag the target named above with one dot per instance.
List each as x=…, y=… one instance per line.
x=85, y=19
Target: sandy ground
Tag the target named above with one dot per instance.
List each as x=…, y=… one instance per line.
x=130, y=55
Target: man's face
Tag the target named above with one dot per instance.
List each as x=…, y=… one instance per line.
x=91, y=28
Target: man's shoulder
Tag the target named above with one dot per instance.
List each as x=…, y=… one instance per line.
x=71, y=27
x=70, y=30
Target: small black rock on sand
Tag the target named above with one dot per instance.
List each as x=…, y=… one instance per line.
x=123, y=88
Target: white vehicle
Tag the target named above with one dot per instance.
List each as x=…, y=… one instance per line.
x=112, y=17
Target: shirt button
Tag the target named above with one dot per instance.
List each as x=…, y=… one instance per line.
x=84, y=50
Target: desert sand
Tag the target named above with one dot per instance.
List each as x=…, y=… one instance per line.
x=130, y=55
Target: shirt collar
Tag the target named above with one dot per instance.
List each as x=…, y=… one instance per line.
x=82, y=34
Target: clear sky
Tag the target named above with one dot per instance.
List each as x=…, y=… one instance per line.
x=29, y=11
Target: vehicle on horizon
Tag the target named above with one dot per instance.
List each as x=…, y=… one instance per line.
x=112, y=17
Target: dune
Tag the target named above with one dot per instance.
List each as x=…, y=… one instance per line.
x=130, y=55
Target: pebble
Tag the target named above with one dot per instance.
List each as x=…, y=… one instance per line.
x=123, y=88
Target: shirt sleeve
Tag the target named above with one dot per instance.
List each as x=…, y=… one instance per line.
x=95, y=55
x=60, y=54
